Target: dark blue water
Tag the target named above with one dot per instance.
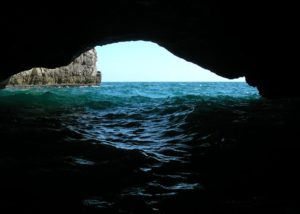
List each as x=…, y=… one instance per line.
x=120, y=147
x=149, y=117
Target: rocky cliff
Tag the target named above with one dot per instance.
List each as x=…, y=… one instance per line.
x=82, y=71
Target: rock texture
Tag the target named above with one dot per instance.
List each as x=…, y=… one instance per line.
x=258, y=40
x=82, y=71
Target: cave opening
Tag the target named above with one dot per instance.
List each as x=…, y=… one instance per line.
x=145, y=61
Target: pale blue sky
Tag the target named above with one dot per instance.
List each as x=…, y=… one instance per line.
x=142, y=61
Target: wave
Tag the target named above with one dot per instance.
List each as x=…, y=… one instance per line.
x=130, y=140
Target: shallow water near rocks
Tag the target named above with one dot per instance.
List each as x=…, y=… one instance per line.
x=147, y=148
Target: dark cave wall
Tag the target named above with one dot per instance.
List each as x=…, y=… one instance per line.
x=254, y=39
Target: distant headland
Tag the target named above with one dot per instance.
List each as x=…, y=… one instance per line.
x=82, y=71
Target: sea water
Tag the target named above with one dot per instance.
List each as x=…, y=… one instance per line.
x=119, y=147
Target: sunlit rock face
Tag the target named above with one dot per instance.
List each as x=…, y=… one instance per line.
x=254, y=40
x=81, y=71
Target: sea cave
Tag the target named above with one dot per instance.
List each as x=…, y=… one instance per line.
x=114, y=149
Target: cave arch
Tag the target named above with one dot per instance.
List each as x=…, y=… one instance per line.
x=231, y=39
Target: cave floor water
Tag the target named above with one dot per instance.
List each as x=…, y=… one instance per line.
x=89, y=150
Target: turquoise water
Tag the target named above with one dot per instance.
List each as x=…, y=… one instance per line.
x=143, y=116
x=104, y=147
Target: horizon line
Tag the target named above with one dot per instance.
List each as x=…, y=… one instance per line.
x=169, y=81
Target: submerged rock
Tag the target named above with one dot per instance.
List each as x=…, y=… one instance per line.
x=82, y=71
